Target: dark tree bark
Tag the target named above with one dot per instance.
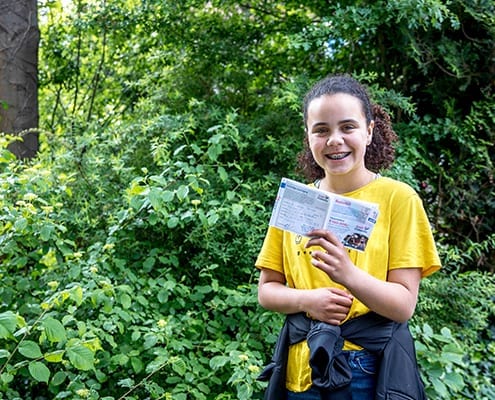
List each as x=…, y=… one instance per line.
x=19, y=41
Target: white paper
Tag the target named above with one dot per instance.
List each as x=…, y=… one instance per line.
x=300, y=208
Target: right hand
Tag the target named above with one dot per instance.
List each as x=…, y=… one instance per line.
x=330, y=305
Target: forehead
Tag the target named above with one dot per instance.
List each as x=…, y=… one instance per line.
x=336, y=105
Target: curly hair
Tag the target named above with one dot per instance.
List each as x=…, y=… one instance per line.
x=380, y=153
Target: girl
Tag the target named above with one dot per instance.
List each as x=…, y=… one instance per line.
x=347, y=142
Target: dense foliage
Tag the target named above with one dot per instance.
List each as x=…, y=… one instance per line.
x=127, y=246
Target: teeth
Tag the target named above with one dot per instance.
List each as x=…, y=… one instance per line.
x=337, y=156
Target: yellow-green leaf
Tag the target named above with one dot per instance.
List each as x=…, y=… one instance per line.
x=76, y=294
x=54, y=356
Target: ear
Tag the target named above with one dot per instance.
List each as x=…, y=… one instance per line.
x=370, y=132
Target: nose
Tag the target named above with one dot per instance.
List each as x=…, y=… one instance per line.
x=334, y=139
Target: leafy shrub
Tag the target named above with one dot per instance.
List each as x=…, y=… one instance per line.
x=454, y=327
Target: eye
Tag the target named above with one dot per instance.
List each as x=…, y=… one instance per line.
x=320, y=131
x=348, y=128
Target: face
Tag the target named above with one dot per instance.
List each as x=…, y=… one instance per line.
x=338, y=134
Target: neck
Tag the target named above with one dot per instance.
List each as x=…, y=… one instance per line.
x=340, y=184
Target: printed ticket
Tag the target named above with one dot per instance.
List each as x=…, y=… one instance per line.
x=300, y=208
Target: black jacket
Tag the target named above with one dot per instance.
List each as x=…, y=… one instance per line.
x=398, y=374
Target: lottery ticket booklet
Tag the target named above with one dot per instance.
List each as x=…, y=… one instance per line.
x=300, y=208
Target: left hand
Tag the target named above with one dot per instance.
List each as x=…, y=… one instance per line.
x=394, y=298
x=333, y=259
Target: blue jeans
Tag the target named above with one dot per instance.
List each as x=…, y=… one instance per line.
x=364, y=366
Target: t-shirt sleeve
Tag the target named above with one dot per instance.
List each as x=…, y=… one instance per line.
x=271, y=253
x=411, y=237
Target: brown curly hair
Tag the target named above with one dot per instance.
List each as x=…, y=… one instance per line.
x=380, y=153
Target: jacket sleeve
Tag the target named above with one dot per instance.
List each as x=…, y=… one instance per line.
x=294, y=330
x=275, y=371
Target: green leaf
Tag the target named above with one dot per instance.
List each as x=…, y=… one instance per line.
x=218, y=361
x=125, y=300
x=149, y=263
x=213, y=217
x=8, y=322
x=214, y=151
x=178, y=365
x=453, y=358
x=120, y=359
x=30, y=349
x=127, y=382
x=163, y=296
x=155, y=197
x=54, y=330
x=244, y=391
x=446, y=332
x=182, y=192
x=237, y=209
x=440, y=387
x=167, y=196
x=4, y=353
x=20, y=224
x=427, y=331
x=39, y=371
x=204, y=388
x=150, y=339
x=137, y=365
x=81, y=357
x=46, y=232
x=58, y=378
x=172, y=222
x=6, y=377
x=455, y=381
x=222, y=174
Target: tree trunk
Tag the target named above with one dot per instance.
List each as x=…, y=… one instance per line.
x=19, y=40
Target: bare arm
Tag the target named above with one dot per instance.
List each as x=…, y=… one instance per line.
x=395, y=298
x=330, y=305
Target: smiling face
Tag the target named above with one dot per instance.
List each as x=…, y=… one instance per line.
x=338, y=135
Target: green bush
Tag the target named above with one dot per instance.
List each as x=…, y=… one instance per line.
x=454, y=327
x=127, y=246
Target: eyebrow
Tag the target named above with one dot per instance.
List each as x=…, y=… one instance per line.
x=317, y=124
x=344, y=121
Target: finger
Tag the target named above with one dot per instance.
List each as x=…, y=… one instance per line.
x=343, y=303
x=343, y=310
x=325, y=257
x=318, y=233
x=337, y=319
x=319, y=254
x=327, y=241
x=341, y=292
x=324, y=267
x=318, y=240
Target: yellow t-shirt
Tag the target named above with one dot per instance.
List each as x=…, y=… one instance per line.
x=401, y=238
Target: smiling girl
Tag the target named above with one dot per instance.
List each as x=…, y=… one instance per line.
x=347, y=142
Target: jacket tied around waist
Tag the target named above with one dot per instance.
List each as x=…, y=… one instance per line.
x=398, y=375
